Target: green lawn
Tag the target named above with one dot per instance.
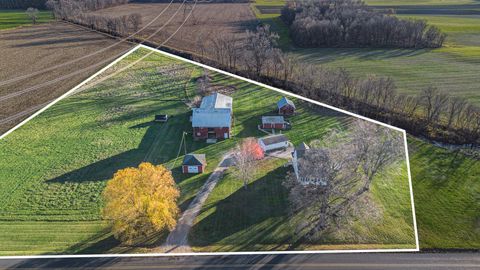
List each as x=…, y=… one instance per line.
x=15, y=18
x=54, y=168
x=235, y=219
x=447, y=202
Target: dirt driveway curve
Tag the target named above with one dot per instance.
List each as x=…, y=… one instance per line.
x=177, y=240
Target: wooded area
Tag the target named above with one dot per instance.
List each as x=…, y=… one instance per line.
x=76, y=11
x=351, y=23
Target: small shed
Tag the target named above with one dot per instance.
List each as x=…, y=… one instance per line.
x=275, y=122
x=285, y=106
x=194, y=163
x=161, y=118
x=273, y=142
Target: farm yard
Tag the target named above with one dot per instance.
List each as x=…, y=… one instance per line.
x=56, y=166
x=27, y=50
x=452, y=69
x=206, y=21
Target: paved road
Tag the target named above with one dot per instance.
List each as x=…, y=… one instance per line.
x=318, y=261
x=177, y=240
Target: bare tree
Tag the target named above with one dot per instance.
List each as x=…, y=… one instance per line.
x=434, y=104
x=245, y=157
x=341, y=175
x=259, y=47
x=135, y=21
x=32, y=14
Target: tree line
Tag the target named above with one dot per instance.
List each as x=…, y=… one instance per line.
x=78, y=12
x=430, y=114
x=22, y=4
x=351, y=23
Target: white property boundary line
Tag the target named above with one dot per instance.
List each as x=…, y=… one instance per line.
x=417, y=248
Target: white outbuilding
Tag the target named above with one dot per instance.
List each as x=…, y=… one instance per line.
x=273, y=142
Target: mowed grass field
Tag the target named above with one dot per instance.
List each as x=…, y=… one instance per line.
x=452, y=69
x=15, y=18
x=54, y=168
x=447, y=197
x=235, y=219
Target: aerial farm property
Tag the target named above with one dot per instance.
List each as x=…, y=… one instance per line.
x=244, y=151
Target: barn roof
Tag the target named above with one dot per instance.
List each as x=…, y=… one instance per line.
x=273, y=139
x=285, y=101
x=215, y=111
x=272, y=120
x=216, y=101
x=211, y=118
x=194, y=159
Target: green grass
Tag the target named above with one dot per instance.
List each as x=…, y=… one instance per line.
x=447, y=200
x=15, y=18
x=54, y=168
x=234, y=219
x=452, y=69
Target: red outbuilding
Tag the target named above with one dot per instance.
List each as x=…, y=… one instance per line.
x=273, y=122
x=194, y=163
x=285, y=106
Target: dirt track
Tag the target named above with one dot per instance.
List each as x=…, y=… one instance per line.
x=31, y=49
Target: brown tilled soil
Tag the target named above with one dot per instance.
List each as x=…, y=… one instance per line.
x=206, y=20
x=31, y=49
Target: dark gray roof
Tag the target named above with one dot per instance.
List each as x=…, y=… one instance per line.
x=194, y=159
x=274, y=139
x=301, y=149
x=284, y=101
x=273, y=120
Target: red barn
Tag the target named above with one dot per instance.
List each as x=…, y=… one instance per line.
x=285, y=106
x=274, y=122
x=213, y=120
x=194, y=163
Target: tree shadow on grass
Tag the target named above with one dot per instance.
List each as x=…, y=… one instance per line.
x=444, y=165
x=251, y=218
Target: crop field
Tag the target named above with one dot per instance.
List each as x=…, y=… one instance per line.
x=31, y=49
x=452, y=69
x=206, y=19
x=15, y=18
x=55, y=167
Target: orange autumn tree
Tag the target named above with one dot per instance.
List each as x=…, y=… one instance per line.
x=141, y=201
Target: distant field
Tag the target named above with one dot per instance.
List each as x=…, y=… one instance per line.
x=31, y=49
x=14, y=18
x=206, y=19
x=453, y=69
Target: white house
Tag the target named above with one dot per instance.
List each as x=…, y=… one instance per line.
x=304, y=177
x=273, y=142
